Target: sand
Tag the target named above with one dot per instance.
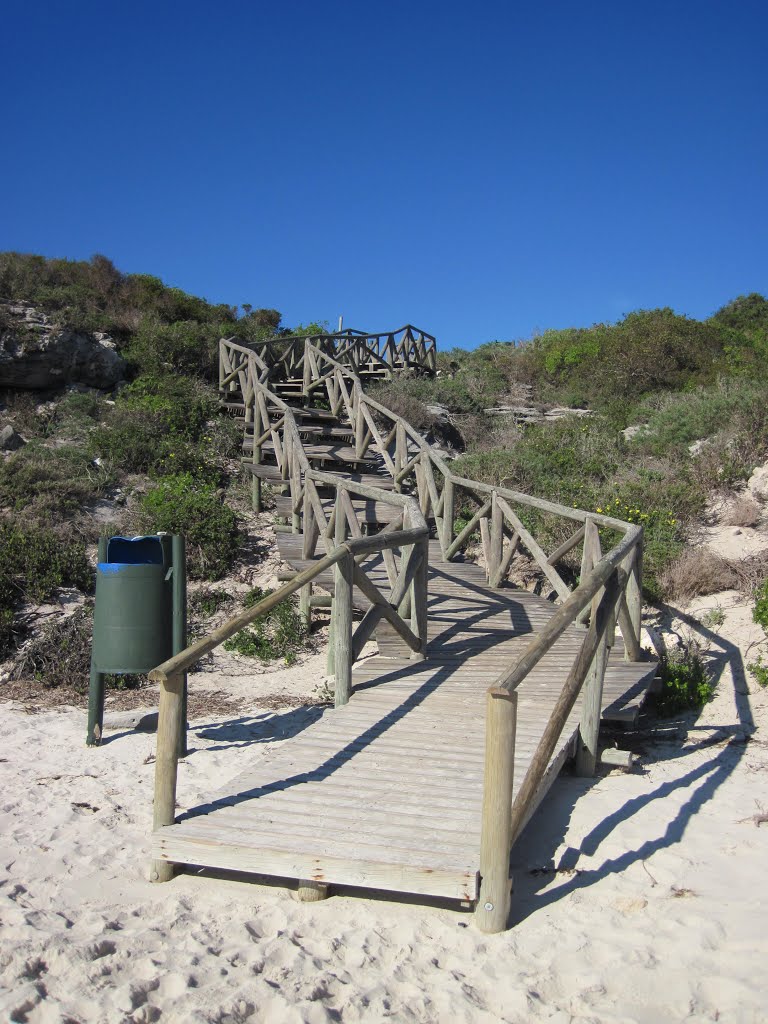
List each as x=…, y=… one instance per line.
x=639, y=897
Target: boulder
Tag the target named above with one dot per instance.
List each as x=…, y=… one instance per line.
x=443, y=431
x=10, y=440
x=36, y=354
x=757, y=485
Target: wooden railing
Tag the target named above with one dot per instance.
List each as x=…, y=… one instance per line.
x=403, y=545
x=609, y=588
x=406, y=348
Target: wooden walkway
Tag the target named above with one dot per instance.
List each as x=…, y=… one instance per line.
x=386, y=791
x=442, y=744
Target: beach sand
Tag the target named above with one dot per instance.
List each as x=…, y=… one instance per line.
x=639, y=897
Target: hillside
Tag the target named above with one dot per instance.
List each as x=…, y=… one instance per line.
x=672, y=422
x=611, y=872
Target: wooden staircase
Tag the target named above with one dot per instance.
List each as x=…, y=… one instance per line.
x=443, y=743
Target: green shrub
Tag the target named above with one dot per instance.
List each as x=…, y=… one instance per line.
x=731, y=408
x=183, y=403
x=95, y=295
x=567, y=461
x=184, y=346
x=685, y=683
x=162, y=425
x=34, y=563
x=206, y=602
x=51, y=484
x=760, y=615
x=182, y=504
x=279, y=634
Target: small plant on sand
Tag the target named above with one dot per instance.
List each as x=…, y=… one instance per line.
x=279, y=634
x=685, y=684
x=760, y=614
x=714, y=618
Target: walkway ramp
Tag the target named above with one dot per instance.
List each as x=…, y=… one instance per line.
x=386, y=791
x=443, y=743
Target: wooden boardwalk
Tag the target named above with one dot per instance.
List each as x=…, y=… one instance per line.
x=386, y=791
x=442, y=744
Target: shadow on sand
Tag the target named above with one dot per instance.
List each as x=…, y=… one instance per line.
x=533, y=857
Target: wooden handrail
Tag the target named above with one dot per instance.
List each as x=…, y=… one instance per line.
x=567, y=612
x=183, y=661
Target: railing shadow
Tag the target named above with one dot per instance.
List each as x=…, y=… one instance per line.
x=544, y=833
x=330, y=765
x=248, y=730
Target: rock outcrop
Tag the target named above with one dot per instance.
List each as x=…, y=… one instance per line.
x=10, y=441
x=36, y=354
x=442, y=431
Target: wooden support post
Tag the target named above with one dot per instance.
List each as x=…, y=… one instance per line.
x=494, y=900
x=592, y=696
x=310, y=892
x=419, y=620
x=589, y=558
x=341, y=615
x=448, y=513
x=169, y=728
x=635, y=597
x=497, y=542
x=179, y=581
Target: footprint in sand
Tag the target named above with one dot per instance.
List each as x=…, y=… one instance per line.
x=99, y=949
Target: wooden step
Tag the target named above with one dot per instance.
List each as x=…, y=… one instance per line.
x=272, y=474
x=367, y=510
x=337, y=453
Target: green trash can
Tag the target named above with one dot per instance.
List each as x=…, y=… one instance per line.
x=140, y=615
x=134, y=605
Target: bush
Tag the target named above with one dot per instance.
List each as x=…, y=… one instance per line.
x=685, y=684
x=182, y=504
x=50, y=484
x=696, y=572
x=649, y=350
x=34, y=563
x=760, y=615
x=185, y=346
x=161, y=425
x=674, y=421
x=279, y=634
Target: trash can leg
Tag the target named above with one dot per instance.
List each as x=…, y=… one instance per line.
x=95, y=707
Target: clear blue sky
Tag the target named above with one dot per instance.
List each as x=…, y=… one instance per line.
x=479, y=169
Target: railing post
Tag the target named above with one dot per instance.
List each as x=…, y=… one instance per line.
x=258, y=429
x=635, y=593
x=359, y=422
x=309, y=542
x=307, y=378
x=494, y=899
x=169, y=732
x=592, y=694
x=342, y=628
x=448, y=513
x=589, y=559
x=497, y=543
x=419, y=595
